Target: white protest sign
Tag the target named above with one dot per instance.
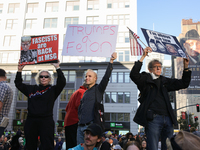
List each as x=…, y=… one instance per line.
x=90, y=40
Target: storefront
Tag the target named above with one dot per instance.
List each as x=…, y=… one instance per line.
x=118, y=127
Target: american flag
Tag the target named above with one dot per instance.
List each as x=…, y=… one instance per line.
x=135, y=47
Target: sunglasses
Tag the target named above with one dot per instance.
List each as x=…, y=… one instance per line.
x=43, y=76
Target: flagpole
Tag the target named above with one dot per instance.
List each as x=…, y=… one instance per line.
x=139, y=39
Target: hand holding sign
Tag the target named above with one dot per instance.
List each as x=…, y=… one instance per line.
x=145, y=53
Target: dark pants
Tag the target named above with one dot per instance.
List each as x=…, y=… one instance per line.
x=70, y=135
x=160, y=127
x=43, y=127
x=2, y=131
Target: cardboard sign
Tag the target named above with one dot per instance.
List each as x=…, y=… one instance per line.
x=163, y=43
x=39, y=49
x=90, y=40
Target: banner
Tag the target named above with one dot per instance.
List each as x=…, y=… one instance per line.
x=39, y=49
x=191, y=45
x=163, y=43
x=90, y=40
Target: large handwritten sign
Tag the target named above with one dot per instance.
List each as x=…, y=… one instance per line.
x=39, y=49
x=163, y=43
x=90, y=40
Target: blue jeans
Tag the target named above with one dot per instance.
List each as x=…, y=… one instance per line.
x=80, y=134
x=160, y=127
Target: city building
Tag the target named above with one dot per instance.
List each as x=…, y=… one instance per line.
x=35, y=17
x=186, y=100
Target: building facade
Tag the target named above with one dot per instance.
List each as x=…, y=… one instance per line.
x=35, y=17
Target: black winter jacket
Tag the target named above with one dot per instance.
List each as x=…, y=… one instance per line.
x=149, y=90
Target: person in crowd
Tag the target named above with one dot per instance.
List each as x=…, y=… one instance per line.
x=95, y=91
x=6, y=96
x=27, y=55
x=59, y=144
x=64, y=145
x=144, y=145
x=155, y=112
x=117, y=147
x=132, y=145
x=105, y=145
x=41, y=98
x=110, y=141
x=92, y=138
x=71, y=117
x=115, y=141
x=191, y=43
x=194, y=131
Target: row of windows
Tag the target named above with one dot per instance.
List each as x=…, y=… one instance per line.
x=120, y=77
x=10, y=40
x=12, y=24
x=70, y=6
x=117, y=97
x=122, y=117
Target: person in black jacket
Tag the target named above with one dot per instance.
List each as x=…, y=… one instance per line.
x=155, y=112
x=41, y=100
x=94, y=91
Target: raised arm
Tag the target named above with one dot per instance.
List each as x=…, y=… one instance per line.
x=104, y=81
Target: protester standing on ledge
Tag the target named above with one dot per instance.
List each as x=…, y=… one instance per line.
x=155, y=112
x=41, y=98
x=95, y=91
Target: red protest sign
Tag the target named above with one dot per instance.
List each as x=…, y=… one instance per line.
x=39, y=49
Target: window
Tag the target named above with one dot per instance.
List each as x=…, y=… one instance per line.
x=72, y=5
x=93, y=5
x=32, y=7
x=9, y=40
x=61, y=114
x=113, y=97
x=66, y=94
x=117, y=97
x=13, y=8
x=21, y=114
x=71, y=20
x=113, y=117
x=50, y=23
x=21, y=96
x=92, y=20
x=70, y=76
x=127, y=56
x=8, y=77
x=122, y=117
x=118, y=19
x=123, y=37
x=26, y=76
x=107, y=97
x=1, y=8
x=11, y=24
x=126, y=117
x=118, y=3
x=31, y=24
x=52, y=6
x=119, y=77
x=120, y=56
x=127, y=97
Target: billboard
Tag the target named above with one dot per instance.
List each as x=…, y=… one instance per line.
x=191, y=46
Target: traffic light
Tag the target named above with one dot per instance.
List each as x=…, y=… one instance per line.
x=195, y=118
x=197, y=105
